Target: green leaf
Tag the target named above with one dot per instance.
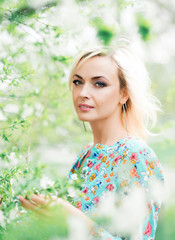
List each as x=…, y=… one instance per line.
x=144, y=27
x=5, y=138
x=104, y=32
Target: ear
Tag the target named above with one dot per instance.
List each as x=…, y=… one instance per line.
x=123, y=96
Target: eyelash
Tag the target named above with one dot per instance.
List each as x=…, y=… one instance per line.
x=75, y=81
x=102, y=84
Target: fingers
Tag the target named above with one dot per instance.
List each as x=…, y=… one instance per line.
x=41, y=200
x=27, y=204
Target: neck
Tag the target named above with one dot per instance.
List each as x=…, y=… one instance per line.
x=108, y=131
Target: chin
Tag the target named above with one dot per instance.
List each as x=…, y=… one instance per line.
x=84, y=118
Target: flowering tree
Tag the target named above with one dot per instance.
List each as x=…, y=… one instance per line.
x=38, y=42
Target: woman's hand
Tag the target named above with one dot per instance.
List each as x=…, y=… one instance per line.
x=43, y=201
x=40, y=203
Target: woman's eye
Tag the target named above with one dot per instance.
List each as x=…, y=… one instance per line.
x=100, y=84
x=76, y=82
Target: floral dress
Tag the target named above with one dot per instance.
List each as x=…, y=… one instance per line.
x=118, y=168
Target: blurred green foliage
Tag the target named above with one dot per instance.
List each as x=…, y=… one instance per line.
x=34, y=228
x=144, y=27
x=165, y=228
x=38, y=42
x=105, y=33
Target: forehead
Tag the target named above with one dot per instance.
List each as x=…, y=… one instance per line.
x=97, y=65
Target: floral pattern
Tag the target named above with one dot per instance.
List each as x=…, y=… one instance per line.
x=127, y=163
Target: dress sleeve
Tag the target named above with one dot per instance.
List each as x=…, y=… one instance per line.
x=99, y=233
x=138, y=166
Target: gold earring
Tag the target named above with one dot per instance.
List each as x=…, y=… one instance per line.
x=84, y=127
x=125, y=107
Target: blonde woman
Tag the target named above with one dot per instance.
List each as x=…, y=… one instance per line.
x=111, y=91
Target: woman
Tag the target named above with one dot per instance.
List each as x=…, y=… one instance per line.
x=110, y=90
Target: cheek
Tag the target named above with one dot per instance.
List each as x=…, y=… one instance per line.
x=74, y=97
x=74, y=94
x=109, y=98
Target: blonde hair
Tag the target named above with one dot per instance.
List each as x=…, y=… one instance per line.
x=141, y=106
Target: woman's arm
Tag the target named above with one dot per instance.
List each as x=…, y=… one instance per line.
x=41, y=200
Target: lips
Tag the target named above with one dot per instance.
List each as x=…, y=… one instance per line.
x=85, y=106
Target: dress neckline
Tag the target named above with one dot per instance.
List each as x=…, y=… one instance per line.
x=90, y=145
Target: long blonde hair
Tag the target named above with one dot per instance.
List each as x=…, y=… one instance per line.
x=141, y=106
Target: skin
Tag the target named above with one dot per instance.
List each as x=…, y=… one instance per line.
x=106, y=98
x=104, y=95
x=40, y=200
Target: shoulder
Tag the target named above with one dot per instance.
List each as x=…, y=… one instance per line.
x=137, y=146
x=84, y=150
x=79, y=156
x=139, y=154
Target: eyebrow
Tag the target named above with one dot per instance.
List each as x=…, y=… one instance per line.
x=93, y=78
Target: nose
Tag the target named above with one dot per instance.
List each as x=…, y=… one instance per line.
x=85, y=91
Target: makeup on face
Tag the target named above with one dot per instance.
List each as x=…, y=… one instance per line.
x=96, y=90
x=99, y=83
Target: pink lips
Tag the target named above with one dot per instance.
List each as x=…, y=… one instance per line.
x=85, y=107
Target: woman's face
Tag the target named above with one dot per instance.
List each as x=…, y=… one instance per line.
x=96, y=90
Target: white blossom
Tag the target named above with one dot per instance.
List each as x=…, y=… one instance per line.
x=61, y=131
x=46, y=182
x=130, y=213
x=38, y=3
x=13, y=214
x=13, y=158
x=2, y=219
x=39, y=109
x=157, y=190
x=107, y=205
x=74, y=176
x=45, y=123
x=28, y=110
x=71, y=192
x=125, y=216
x=78, y=228
x=11, y=108
x=52, y=117
x=2, y=117
x=11, y=181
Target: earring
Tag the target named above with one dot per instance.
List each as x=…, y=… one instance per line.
x=125, y=107
x=84, y=127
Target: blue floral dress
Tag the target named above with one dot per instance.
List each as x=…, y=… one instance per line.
x=118, y=168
